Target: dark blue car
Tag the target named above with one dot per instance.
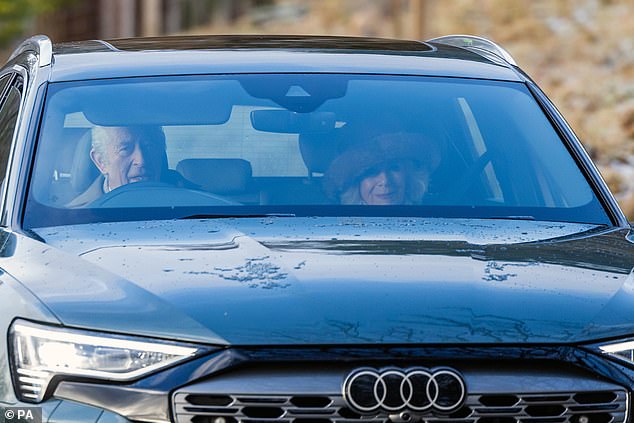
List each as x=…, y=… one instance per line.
x=249, y=229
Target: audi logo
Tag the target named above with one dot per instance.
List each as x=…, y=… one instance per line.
x=416, y=389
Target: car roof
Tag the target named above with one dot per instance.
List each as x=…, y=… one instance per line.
x=223, y=54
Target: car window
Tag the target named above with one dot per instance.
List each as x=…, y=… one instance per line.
x=319, y=144
x=4, y=81
x=9, y=108
x=270, y=154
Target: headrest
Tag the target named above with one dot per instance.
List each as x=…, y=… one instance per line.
x=55, y=161
x=318, y=150
x=83, y=171
x=220, y=176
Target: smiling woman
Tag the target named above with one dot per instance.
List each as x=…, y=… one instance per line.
x=390, y=169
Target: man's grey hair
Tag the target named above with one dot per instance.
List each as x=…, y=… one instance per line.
x=103, y=135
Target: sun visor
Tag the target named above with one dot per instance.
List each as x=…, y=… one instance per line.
x=149, y=103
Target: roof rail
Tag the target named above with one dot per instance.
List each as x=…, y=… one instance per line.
x=41, y=45
x=477, y=44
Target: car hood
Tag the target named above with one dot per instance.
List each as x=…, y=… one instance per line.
x=309, y=281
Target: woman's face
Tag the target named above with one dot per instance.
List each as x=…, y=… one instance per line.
x=383, y=185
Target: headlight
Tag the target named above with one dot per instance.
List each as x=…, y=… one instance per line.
x=39, y=353
x=623, y=350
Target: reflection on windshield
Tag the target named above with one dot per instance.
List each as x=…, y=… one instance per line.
x=318, y=144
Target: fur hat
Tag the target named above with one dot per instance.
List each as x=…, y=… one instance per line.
x=348, y=168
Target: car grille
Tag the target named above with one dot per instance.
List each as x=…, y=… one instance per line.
x=584, y=407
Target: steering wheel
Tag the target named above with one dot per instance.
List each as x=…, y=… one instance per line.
x=157, y=194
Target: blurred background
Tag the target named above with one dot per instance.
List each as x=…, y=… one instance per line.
x=581, y=52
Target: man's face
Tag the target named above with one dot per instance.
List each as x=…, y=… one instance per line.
x=128, y=158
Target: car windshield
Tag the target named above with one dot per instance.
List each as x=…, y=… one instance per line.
x=300, y=145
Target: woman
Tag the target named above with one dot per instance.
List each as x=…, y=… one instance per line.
x=390, y=169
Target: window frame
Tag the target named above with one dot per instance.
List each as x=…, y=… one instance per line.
x=3, y=85
x=17, y=78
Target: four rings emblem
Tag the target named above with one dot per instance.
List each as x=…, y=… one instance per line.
x=416, y=389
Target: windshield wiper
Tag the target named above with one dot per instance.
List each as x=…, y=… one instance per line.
x=233, y=216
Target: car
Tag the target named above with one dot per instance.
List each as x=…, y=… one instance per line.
x=304, y=229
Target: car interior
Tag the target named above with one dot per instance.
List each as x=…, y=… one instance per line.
x=257, y=147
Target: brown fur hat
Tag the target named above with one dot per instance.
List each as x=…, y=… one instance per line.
x=347, y=169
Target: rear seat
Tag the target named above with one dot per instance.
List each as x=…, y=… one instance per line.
x=230, y=178
x=317, y=150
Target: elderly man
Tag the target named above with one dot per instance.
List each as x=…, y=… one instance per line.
x=124, y=155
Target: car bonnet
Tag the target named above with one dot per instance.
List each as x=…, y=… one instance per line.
x=275, y=281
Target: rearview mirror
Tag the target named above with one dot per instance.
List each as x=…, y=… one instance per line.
x=287, y=122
